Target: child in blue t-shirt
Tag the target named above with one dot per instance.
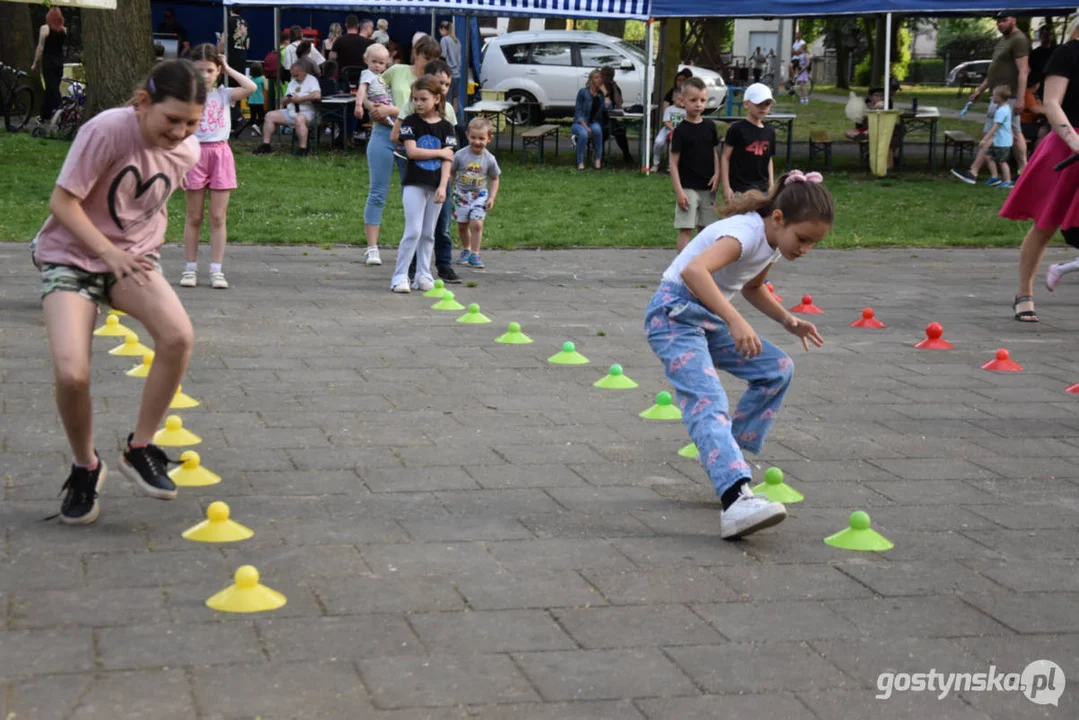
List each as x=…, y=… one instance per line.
x=996, y=145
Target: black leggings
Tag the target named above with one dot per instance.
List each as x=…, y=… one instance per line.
x=52, y=70
x=258, y=114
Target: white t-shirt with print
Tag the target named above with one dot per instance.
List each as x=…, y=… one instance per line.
x=756, y=255
x=216, y=122
x=309, y=85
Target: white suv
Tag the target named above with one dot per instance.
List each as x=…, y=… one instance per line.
x=548, y=67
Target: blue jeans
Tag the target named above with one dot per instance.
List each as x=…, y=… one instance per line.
x=380, y=162
x=692, y=342
x=581, y=134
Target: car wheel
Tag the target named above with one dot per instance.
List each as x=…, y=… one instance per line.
x=523, y=114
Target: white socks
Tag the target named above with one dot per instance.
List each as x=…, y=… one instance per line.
x=191, y=266
x=1065, y=268
x=215, y=267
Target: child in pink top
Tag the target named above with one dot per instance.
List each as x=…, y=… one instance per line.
x=100, y=246
x=216, y=169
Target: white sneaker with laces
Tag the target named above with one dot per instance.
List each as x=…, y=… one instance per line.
x=218, y=281
x=190, y=278
x=425, y=284
x=402, y=287
x=748, y=514
x=371, y=257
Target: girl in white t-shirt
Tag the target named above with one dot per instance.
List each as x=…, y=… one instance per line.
x=694, y=328
x=216, y=169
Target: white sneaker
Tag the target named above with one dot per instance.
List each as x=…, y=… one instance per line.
x=218, y=281
x=402, y=287
x=425, y=284
x=748, y=514
x=371, y=257
x=190, y=278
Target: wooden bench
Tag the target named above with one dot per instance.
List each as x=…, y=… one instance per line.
x=963, y=144
x=535, y=138
x=863, y=149
x=820, y=142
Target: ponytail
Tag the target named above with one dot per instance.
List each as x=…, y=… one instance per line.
x=799, y=196
x=176, y=80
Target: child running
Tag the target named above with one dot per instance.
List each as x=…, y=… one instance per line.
x=100, y=246
x=475, y=175
x=429, y=141
x=748, y=148
x=996, y=145
x=694, y=165
x=694, y=328
x=672, y=118
x=216, y=168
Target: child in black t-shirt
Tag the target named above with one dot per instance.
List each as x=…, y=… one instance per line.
x=749, y=146
x=694, y=165
x=430, y=143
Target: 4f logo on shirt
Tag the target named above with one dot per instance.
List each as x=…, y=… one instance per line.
x=759, y=147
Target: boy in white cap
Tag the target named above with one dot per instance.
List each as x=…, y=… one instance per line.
x=748, y=147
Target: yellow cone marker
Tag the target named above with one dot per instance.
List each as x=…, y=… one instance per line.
x=117, y=313
x=217, y=528
x=616, y=379
x=447, y=303
x=112, y=328
x=141, y=371
x=191, y=473
x=568, y=356
x=180, y=401
x=860, y=536
x=131, y=347
x=690, y=451
x=474, y=316
x=437, y=291
x=246, y=595
x=175, y=434
x=664, y=409
x=776, y=490
x=513, y=336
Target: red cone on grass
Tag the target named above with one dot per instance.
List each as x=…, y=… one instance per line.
x=1002, y=363
x=868, y=321
x=933, y=340
x=806, y=307
x=773, y=291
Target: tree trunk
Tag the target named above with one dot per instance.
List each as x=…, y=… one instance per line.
x=841, y=58
x=111, y=80
x=615, y=28
x=671, y=40
x=518, y=24
x=554, y=24
x=880, y=38
x=17, y=38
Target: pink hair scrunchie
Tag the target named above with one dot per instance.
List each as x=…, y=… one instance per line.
x=800, y=177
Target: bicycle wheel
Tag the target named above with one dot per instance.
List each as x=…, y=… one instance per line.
x=17, y=109
x=65, y=122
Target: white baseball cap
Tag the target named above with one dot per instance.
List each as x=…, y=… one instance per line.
x=758, y=93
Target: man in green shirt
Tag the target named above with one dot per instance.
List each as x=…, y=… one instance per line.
x=1010, y=66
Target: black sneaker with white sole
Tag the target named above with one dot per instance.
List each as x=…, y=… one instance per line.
x=449, y=275
x=147, y=467
x=965, y=175
x=80, y=505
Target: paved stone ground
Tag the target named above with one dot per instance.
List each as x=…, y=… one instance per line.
x=464, y=531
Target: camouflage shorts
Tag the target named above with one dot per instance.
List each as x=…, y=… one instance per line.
x=95, y=287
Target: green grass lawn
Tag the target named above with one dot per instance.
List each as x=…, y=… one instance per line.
x=936, y=95
x=285, y=200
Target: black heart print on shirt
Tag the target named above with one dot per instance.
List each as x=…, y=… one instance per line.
x=141, y=188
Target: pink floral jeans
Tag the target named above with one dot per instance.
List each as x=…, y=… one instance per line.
x=693, y=342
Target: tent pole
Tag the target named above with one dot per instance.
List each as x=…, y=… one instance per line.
x=434, y=25
x=646, y=96
x=460, y=21
x=225, y=30
x=888, y=62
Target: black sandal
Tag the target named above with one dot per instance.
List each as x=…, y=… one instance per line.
x=1026, y=315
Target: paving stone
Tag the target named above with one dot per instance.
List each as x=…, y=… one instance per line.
x=918, y=578
x=337, y=638
x=168, y=645
x=421, y=559
x=122, y=569
x=418, y=479
x=24, y=653
x=444, y=680
x=86, y=608
x=621, y=627
x=852, y=704
x=279, y=690
x=757, y=667
x=524, y=476
x=532, y=555
x=585, y=525
x=580, y=710
x=26, y=570
x=938, y=616
x=661, y=585
x=503, y=590
x=784, y=621
x=1030, y=612
x=707, y=707
x=1048, y=575
x=494, y=631
x=511, y=503
x=161, y=694
x=604, y=674
x=466, y=529
x=44, y=696
x=381, y=594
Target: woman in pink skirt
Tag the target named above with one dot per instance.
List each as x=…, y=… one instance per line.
x=1042, y=194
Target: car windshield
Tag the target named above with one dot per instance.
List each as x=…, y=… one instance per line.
x=630, y=48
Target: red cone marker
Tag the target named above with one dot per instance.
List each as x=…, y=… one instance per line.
x=933, y=341
x=868, y=321
x=773, y=291
x=807, y=307
x=1002, y=363
x=1072, y=389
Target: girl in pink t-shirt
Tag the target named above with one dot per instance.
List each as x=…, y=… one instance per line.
x=216, y=169
x=100, y=246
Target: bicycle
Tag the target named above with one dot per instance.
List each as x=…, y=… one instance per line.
x=16, y=98
x=65, y=121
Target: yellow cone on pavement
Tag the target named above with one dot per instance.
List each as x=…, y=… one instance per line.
x=175, y=434
x=246, y=595
x=191, y=473
x=217, y=527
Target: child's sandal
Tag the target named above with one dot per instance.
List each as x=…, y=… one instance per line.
x=1025, y=315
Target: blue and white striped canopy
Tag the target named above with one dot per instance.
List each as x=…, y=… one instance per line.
x=594, y=9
